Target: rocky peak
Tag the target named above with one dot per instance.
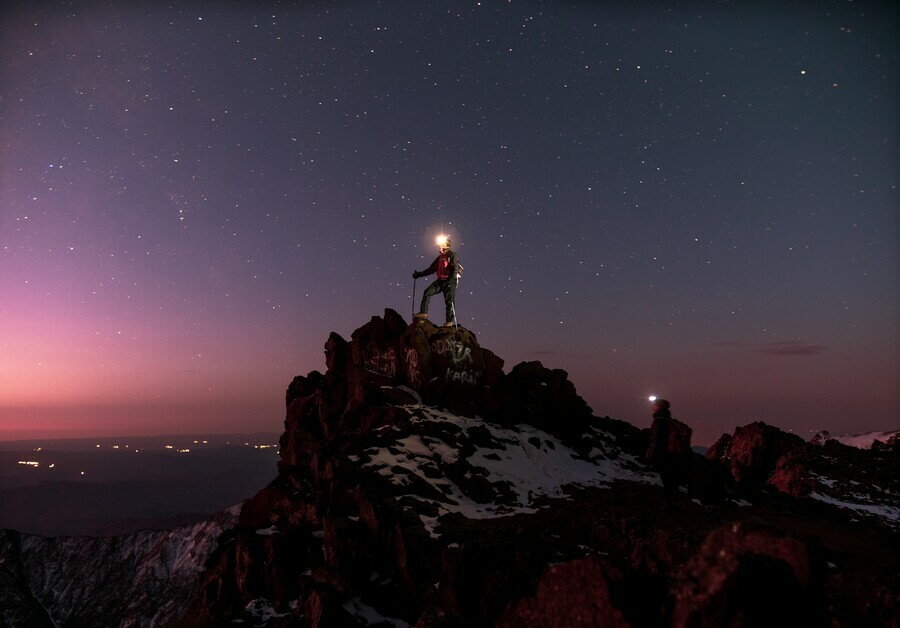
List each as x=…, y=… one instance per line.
x=387, y=361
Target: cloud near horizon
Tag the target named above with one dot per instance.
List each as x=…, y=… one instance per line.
x=776, y=349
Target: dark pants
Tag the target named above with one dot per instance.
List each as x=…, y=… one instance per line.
x=448, y=287
x=673, y=474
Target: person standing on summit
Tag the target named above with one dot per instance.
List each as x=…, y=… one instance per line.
x=448, y=270
x=670, y=450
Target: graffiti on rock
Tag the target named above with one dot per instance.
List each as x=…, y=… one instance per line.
x=461, y=368
x=463, y=376
x=458, y=352
x=382, y=362
x=412, y=368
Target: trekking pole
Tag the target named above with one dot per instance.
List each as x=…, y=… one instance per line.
x=413, y=309
x=453, y=307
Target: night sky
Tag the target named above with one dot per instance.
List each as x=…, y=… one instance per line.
x=697, y=202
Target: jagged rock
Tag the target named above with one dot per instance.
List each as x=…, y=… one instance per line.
x=752, y=452
x=374, y=346
x=572, y=594
x=288, y=501
x=747, y=575
x=303, y=387
x=323, y=608
x=460, y=372
x=720, y=452
x=792, y=475
x=434, y=617
x=546, y=399
x=820, y=437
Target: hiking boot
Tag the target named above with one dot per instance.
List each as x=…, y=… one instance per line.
x=423, y=316
x=448, y=324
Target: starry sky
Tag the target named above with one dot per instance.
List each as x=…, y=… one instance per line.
x=694, y=200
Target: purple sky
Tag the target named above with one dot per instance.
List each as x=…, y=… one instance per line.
x=696, y=202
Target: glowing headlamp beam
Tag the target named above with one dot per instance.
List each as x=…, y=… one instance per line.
x=441, y=240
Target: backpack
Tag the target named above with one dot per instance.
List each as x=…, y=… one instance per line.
x=679, y=444
x=673, y=444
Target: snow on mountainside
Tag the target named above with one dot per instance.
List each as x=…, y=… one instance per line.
x=519, y=467
x=392, y=507
x=515, y=467
x=867, y=440
x=138, y=579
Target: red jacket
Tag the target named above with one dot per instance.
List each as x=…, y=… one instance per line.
x=444, y=265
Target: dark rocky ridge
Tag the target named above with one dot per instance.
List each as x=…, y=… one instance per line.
x=388, y=508
x=420, y=485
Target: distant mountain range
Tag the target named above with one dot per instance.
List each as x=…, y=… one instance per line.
x=421, y=485
x=868, y=440
x=101, y=487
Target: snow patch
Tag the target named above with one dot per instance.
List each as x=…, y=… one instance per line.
x=889, y=514
x=412, y=393
x=268, y=531
x=261, y=610
x=370, y=616
x=522, y=461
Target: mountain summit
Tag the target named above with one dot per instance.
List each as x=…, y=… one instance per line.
x=421, y=485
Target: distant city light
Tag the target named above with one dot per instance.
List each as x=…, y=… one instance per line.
x=30, y=463
x=169, y=447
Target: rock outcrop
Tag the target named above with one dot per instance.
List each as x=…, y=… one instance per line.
x=748, y=575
